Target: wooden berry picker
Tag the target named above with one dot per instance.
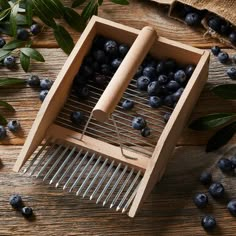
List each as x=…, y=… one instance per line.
x=104, y=130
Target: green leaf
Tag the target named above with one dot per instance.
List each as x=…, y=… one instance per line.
x=58, y=6
x=21, y=19
x=4, y=4
x=221, y=137
x=100, y=2
x=13, y=44
x=29, y=12
x=121, y=2
x=11, y=81
x=24, y=61
x=4, y=53
x=4, y=13
x=13, y=20
x=226, y=91
x=64, y=39
x=212, y=121
x=89, y=10
x=77, y=3
x=32, y=53
x=5, y=28
x=7, y=105
x=3, y=121
x=74, y=19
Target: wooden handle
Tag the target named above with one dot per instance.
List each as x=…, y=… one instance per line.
x=126, y=71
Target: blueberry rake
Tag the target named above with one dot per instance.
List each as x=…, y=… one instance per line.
x=105, y=159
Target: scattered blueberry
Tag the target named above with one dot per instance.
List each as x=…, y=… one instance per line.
x=127, y=104
x=13, y=125
x=111, y=47
x=22, y=34
x=166, y=116
x=43, y=94
x=192, y=19
x=163, y=79
x=33, y=81
x=35, y=29
x=215, y=23
x=216, y=190
x=145, y=132
x=200, y=200
x=77, y=117
x=143, y=82
x=231, y=72
x=123, y=49
x=180, y=76
x=208, y=222
x=2, y=42
x=215, y=50
x=16, y=201
x=225, y=165
x=46, y=84
x=155, y=102
x=9, y=62
x=231, y=206
x=116, y=63
x=138, y=123
x=232, y=37
x=173, y=85
x=27, y=211
x=223, y=57
x=3, y=132
x=150, y=72
x=153, y=88
x=205, y=177
x=189, y=70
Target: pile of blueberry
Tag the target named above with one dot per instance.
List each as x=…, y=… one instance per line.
x=17, y=203
x=24, y=35
x=12, y=125
x=216, y=190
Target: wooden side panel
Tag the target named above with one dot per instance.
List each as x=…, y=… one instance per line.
x=170, y=134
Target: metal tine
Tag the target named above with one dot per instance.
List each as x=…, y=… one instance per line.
x=62, y=165
x=42, y=159
x=108, y=183
x=69, y=168
x=130, y=199
x=128, y=191
x=95, y=178
x=76, y=169
x=88, y=176
x=82, y=172
x=49, y=160
x=102, y=180
x=122, y=188
x=56, y=163
x=36, y=156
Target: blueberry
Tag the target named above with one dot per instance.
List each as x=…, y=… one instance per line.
x=164, y=91
x=232, y=37
x=180, y=76
x=233, y=160
x=9, y=62
x=111, y=47
x=189, y=70
x=99, y=42
x=3, y=132
x=80, y=79
x=200, y=200
x=127, y=104
x=43, y=94
x=171, y=75
x=176, y=95
x=215, y=23
x=192, y=19
x=46, y=84
x=100, y=56
x=2, y=42
x=225, y=28
x=234, y=58
x=168, y=101
x=231, y=72
x=205, y=178
x=138, y=123
x=188, y=9
x=173, y=85
x=22, y=34
x=95, y=66
x=162, y=79
x=231, y=206
x=35, y=29
x=223, y=57
x=225, y=165
x=166, y=116
x=143, y=82
x=216, y=190
x=77, y=117
x=145, y=132
x=116, y=63
x=33, y=81
x=27, y=211
x=82, y=91
x=153, y=88
x=106, y=69
x=86, y=71
x=123, y=49
x=15, y=201
x=13, y=125
x=170, y=65
x=100, y=80
x=155, y=102
x=208, y=222
x=161, y=67
x=215, y=50
x=139, y=72
x=150, y=72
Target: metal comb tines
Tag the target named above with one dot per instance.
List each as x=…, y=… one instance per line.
x=86, y=174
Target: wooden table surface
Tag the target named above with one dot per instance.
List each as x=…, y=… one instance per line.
x=169, y=210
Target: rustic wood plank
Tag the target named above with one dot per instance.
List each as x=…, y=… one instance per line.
x=169, y=210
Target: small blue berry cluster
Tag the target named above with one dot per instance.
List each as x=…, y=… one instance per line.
x=12, y=125
x=17, y=203
x=216, y=190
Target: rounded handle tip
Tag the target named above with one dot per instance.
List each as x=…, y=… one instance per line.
x=100, y=115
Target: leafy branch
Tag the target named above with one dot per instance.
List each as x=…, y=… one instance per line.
x=225, y=122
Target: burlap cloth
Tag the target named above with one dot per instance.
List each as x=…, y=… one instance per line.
x=223, y=8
